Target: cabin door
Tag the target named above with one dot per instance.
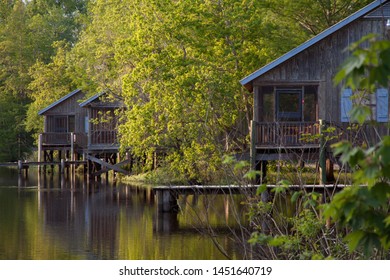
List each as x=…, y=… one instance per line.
x=289, y=105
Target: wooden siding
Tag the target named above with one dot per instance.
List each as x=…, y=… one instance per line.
x=318, y=65
x=69, y=107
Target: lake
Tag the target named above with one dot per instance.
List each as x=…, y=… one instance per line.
x=65, y=217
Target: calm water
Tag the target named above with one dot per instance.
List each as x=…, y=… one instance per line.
x=54, y=218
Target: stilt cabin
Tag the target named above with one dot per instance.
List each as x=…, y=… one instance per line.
x=294, y=95
x=64, y=128
x=75, y=126
x=101, y=122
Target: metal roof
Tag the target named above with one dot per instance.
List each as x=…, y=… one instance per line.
x=312, y=41
x=52, y=105
x=91, y=99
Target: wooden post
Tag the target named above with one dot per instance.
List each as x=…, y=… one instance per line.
x=322, y=160
x=253, y=145
x=72, y=146
x=39, y=151
x=20, y=166
x=166, y=201
x=62, y=166
x=26, y=170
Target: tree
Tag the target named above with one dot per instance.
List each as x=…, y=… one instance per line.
x=28, y=30
x=363, y=208
x=311, y=16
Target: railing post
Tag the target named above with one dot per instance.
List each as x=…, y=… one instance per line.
x=72, y=146
x=39, y=151
x=253, y=145
x=322, y=159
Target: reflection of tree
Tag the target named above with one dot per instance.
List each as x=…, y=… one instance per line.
x=77, y=221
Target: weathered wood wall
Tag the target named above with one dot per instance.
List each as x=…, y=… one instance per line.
x=69, y=107
x=318, y=65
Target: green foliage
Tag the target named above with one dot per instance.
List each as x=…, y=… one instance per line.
x=312, y=16
x=363, y=208
x=28, y=30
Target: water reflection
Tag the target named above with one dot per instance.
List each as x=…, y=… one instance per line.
x=67, y=217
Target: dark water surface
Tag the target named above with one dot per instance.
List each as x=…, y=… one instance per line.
x=55, y=218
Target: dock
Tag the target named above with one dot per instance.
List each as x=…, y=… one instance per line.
x=167, y=196
x=25, y=165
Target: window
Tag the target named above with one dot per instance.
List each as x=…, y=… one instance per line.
x=289, y=104
x=378, y=103
x=60, y=124
x=310, y=104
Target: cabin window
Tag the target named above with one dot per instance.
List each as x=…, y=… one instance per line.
x=60, y=124
x=267, y=104
x=310, y=104
x=288, y=104
x=378, y=103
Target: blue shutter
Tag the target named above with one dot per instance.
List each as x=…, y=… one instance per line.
x=382, y=105
x=346, y=104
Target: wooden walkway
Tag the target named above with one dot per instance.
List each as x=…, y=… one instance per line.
x=167, y=195
x=25, y=164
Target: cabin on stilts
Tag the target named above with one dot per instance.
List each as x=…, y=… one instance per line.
x=295, y=97
x=64, y=130
x=76, y=127
x=101, y=122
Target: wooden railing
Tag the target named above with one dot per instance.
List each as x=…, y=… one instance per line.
x=104, y=137
x=301, y=134
x=64, y=139
x=286, y=134
x=359, y=135
x=56, y=138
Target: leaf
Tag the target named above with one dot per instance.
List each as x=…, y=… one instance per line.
x=261, y=189
x=295, y=196
x=252, y=174
x=354, y=239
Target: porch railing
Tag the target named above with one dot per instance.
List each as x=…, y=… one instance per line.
x=56, y=138
x=286, y=134
x=301, y=134
x=104, y=137
x=63, y=139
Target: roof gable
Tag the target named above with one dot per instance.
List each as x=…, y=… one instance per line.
x=91, y=99
x=59, y=101
x=369, y=8
x=117, y=102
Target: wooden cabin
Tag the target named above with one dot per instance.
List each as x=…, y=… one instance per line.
x=75, y=126
x=101, y=122
x=64, y=127
x=295, y=97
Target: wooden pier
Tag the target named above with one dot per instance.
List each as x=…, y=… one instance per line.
x=167, y=196
x=23, y=166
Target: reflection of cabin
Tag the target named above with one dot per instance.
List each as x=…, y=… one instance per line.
x=77, y=127
x=294, y=92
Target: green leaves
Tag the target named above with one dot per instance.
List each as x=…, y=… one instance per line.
x=363, y=208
